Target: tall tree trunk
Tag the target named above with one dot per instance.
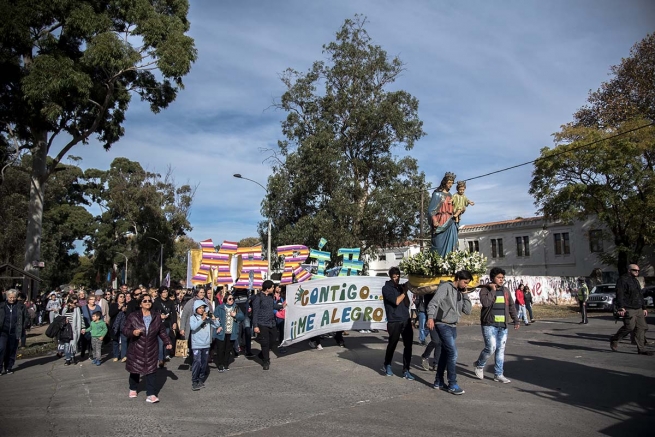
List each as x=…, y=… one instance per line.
x=35, y=210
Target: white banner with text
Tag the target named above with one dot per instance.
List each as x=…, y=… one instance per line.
x=340, y=303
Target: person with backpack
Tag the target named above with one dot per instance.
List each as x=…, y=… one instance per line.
x=497, y=308
x=117, y=314
x=69, y=334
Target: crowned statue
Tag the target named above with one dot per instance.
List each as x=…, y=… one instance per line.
x=443, y=225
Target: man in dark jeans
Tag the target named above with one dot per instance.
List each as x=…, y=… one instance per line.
x=632, y=308
x=396, y=305
x=263, y=321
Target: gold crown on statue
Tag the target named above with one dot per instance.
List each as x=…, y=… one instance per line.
x=449, y=176
x=461, y=184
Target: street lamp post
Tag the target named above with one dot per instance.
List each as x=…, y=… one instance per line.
x=238, y=176
x=125, y=266
x=161, y=257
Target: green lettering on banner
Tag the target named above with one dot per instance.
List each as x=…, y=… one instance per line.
x=352, y=291
x=334, y=289
x=301, y=324
x=367, y=314
x=324, y=294
x=326, y=318
x=356, y=314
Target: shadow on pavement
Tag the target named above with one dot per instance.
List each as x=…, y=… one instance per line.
x=572, y=346
x=24, y=364
x=622, y=396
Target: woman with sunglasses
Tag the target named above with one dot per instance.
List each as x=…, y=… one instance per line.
x=229, y=316
x=142, y=328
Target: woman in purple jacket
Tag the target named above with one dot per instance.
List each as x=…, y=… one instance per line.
x=142, y=328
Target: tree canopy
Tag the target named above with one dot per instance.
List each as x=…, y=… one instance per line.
x=336, y=175
x=612, y=179
x=69, y=70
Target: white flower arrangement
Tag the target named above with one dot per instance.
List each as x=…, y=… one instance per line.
x=429, y=263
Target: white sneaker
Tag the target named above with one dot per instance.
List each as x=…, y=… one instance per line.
x=319, y=347
x=501, y=378
x=479, y=372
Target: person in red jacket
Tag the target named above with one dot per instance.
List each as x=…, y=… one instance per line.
x=520, y=305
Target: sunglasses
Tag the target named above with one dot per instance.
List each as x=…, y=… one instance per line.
x=146, y=301
x=229, y=298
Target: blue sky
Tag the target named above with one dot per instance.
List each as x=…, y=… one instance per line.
x=494, y=81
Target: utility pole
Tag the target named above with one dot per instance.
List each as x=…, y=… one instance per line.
x=420, y=220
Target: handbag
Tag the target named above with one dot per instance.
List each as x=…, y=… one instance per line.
x=181, y=348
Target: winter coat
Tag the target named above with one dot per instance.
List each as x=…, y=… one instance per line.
x=22, y=317
x=143, y=351
x=187, y=312
x=76, y=324
x=201, y=330
x=222, y=317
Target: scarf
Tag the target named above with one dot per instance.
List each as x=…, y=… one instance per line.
x=229, y=320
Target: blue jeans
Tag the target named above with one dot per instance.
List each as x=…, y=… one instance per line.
x=448, y=357
x=120, y=349
x=199, y=366
x=522, y=314
x=422, y=331
x=161, y=345
x=494, y=341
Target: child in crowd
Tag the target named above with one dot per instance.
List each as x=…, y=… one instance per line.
x=201, y=324
x=98, y=332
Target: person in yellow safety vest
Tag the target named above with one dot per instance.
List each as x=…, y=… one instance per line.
x=583, y=296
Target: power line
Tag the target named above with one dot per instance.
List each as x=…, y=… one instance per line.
x=562, y=152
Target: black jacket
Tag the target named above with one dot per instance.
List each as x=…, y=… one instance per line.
x=166, y=307
x=263, y=307
x=22, y=318
x=395, y=313
x=628, y=293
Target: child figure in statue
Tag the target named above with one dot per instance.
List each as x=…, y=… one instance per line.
x=460, y=201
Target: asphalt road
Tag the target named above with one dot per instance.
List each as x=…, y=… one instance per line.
x=565, y=382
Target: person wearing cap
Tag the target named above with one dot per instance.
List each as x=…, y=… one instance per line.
x=53, y=307
x=142, y=328
x=201, y=325
x=583, y=296
x=104, y=305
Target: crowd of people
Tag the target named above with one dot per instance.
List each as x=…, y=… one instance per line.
x=140, y=326
x=143, y=325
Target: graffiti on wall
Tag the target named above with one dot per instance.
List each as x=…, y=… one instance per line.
x=545, y=289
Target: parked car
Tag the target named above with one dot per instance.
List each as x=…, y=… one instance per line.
x=649, y=294
x=601, y=297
